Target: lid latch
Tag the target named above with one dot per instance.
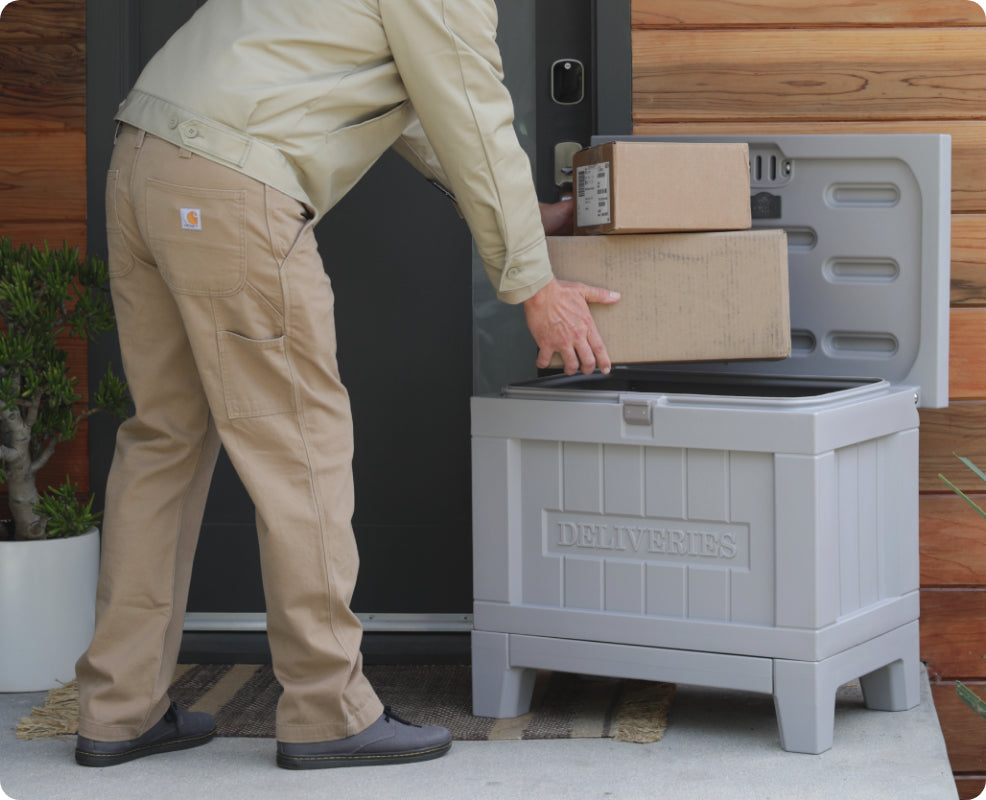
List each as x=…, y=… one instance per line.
x=636, y=412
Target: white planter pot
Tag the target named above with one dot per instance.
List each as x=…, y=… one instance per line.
x=47, y=610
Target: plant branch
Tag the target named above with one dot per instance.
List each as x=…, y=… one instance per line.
x=33, y=407
x=46, y=453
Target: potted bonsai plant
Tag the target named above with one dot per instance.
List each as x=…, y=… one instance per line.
x=49, y=549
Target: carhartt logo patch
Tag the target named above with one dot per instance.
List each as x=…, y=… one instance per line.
x=191, y=219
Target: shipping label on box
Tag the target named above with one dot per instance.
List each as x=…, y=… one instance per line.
x=660, y=187
x=593, y=204
x=686, y=296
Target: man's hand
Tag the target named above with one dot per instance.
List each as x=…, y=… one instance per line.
x=559, y=320
x=558, y=218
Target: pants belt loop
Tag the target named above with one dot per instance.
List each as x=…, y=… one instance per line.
x=141, y=133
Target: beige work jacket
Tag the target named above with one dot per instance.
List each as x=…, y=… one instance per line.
x=305, y=95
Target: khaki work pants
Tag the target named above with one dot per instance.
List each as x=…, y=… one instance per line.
x=225, y=316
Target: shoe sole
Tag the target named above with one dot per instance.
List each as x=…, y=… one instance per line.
x=87, y=759
x=369, y=760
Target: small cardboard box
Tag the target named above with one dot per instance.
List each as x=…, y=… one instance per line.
x=685, y=296
x=661, y=187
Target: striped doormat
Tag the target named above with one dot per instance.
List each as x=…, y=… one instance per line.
x=243, y=698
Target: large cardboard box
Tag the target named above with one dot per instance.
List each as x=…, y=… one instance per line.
x=661, y=187
x=685, y=296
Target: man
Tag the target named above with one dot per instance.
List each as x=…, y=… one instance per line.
x=246, y=128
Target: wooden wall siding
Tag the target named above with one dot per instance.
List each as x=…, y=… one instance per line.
x=970, y=786
x=48, y=20
x=959, y=429
x=757, y=67
x=42, y=178
x=42, y=81
x=808, y=75
x=953, y=625
x=955, y=556
x=43, y=156
x=964, y=750
x=969, y=261
x=721, y=13
x=967, y=338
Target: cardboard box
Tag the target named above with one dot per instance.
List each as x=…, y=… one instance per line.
x=685, y=296
x=660, y=187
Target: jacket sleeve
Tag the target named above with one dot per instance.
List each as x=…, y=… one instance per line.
x=448, y=59
x=415, y=148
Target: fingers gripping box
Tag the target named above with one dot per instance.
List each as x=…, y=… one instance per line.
x=686, y=296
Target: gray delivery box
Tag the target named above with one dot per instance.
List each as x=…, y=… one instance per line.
x=749, y=526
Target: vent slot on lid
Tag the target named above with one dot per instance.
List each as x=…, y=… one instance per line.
x=769, y=167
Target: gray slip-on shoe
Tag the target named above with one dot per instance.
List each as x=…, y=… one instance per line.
x=178, y=729
x=389, y=740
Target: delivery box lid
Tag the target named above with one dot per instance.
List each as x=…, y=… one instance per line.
x=868, y=220
x=695, y=388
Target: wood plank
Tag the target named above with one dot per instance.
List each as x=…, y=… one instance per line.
x=964, y=730
x=715, y=13
x=43, y=19
x=968, y=145
x=42, y=81
x=960, y=428
x=953, y=633
x=953, y=540
x=970, y=787
x=54, y=232
x=809, y=75
x=969, y=261
x=967, y=354
x=24, y=122
x=43, y=177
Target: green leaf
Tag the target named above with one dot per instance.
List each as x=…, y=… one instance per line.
x=64, y=513
x=112, y=394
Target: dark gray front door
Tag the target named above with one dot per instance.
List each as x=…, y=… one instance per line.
x=407, y=291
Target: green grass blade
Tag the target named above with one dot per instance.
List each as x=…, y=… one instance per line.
x=971, y=699
x=963, y=495
x=979, y=473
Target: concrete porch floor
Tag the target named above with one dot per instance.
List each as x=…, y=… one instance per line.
x=720, y=744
